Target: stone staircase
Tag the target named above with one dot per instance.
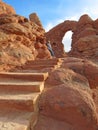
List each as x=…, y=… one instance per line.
x=18, y=98
x=38, y=65
x=19, y=92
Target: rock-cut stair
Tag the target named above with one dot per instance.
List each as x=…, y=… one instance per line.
x=18, y=98
x=38, y=65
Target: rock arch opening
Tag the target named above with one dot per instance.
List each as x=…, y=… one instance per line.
x=67, y=39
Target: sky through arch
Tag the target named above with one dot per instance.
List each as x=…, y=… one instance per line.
x=67, y=39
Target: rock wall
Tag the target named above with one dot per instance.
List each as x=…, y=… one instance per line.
x=84, y=38
x=70, y=98
x=20, y=39
x=6, y=9
x=19, y=33
x=34, y=18
x=56, y=34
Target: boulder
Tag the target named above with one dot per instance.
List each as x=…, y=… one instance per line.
x=67, y=107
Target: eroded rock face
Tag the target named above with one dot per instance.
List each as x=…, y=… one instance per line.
x=56, y=35
x=83, y=67
x=34, y=18
x=6, y=9
x=84, y=38
x=70, y=107
x=70, y=98
x=20, y=39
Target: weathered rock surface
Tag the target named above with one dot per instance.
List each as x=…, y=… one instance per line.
x=70, y=98
x=34, y=18
x=56, y=34
x=69, y=102
x=69, y=105
x=6, y=9
x=83, y=67
x=84, y=37
x=75, y=83
x=20, y=39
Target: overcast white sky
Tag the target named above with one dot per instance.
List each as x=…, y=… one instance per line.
x=53, y=12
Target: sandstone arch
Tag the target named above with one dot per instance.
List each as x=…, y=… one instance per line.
x=56, y=35
x=84, y=38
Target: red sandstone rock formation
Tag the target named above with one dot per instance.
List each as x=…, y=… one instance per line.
x=20, y=38
x=69, y=107
x=83, y=67
x=6, y=9
x=70, y=100
x=56, y=34
x=84, y=38
x=34, y=18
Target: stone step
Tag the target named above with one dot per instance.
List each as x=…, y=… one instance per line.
x=15, y=120
x=18, y=98
x=4, y=76
x=45, y=61
x=21, y=86
x=22, y=102
x=38, y=67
